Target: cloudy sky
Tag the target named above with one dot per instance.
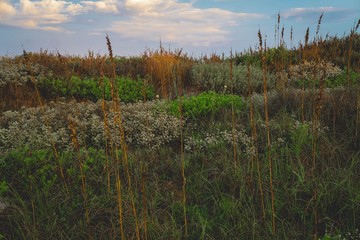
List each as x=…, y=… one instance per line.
x=74, y=27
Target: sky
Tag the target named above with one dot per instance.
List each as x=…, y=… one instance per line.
x=198, y=27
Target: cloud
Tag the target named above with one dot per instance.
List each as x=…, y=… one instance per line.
x=103, y=6
x=48, y=15
x=6, y=9
x=178, y=22
x=300, y=14
x=149, y=20
x=45, y=15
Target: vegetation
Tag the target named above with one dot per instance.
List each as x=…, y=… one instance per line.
x=260, y=145
x=129, y=90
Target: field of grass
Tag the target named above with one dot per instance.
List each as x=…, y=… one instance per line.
x=263, y=144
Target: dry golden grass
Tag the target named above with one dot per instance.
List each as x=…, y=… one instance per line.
x=263, y=59
x=168, y=71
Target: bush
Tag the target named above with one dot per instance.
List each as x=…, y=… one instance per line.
x=168, y=71
x=216, y=77
x=308, y=74
x=129, y=90
x=18, y=73
x=44, y=127
x=342, y=79
x=206, y=104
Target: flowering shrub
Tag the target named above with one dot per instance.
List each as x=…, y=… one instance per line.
x=42, y=127
x=18, y=73
x=309, y=73
x=214, y=76
x=258, y=99
x=349, y=235
x=228, y=137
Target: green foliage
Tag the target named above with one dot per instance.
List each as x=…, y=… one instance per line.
x=216, y=77
x=301, y=138
x=308, y=74
x=345, y=236
x=248, y=58
x=206, y=104
x=133, y=91
x=129, y=90
x=33, y=167
x=3, y=187
x=341, y=80
x=276, y=57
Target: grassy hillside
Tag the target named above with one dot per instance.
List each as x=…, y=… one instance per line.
x=260, y=145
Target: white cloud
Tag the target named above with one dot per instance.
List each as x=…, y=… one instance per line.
x=45, y=15
x=148, y=20
x=6, y=9
x=304, y=13
x=104, y=6
x=75, y=9
x=178, y=22
x=48, y=15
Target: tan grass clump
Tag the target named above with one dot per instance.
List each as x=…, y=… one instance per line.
x=168, y=71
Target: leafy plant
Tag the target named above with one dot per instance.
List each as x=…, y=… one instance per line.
x=341, y=80
x=308, y=74
x=18, y=73
x=206, y=104
x=129, y=90
x=216, y=77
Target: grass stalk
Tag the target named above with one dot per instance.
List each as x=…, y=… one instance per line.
x=251, y=118
x=182, y=156
x=357, y=124
x=121, y=132
x=144, y=202
x=233, y=111
x=315, y=125
x=119, y=204
x=107, y=147
x=268, y=134
x=352, y=32
x=117, y=122
x=254, y=155
x=277, y=34
x=126, y=163
x=75, y=142
x=108, y=142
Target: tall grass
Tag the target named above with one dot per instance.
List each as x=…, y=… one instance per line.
x=268, y=139
x=168, y=71
x=254, y=154
x=123, y=146
x=233, y=111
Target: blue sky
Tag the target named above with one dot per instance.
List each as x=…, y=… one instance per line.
x=74, y=27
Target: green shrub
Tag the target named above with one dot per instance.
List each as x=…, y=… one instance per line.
x=133, y=91
x=342, y=79
x=308, y=74
x=129, y=90
x=18, y=73
x=206, y=104
x=216, y=77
